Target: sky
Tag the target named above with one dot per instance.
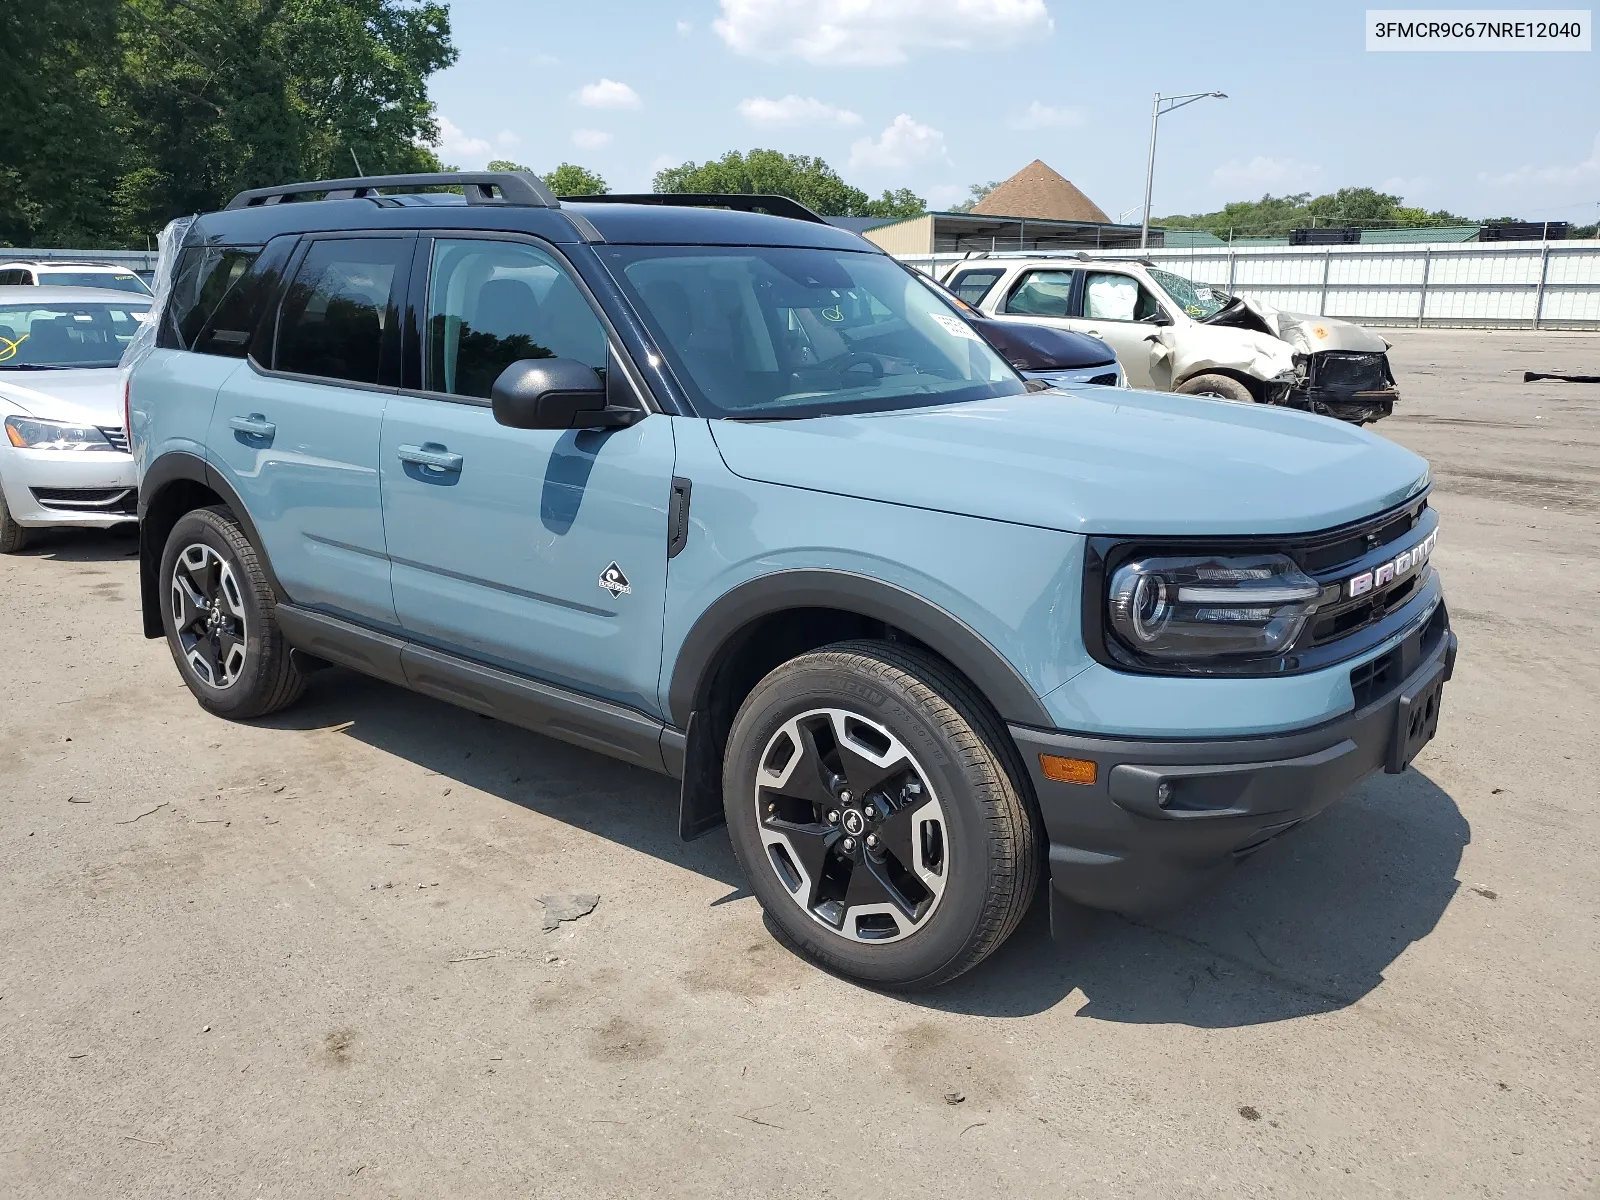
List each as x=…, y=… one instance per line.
x=935, y=95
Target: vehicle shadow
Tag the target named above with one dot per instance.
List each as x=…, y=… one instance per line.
x=1307, y=925
x=83, y=545
x=614, y=800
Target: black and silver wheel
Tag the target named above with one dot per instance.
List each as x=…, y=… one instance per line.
x=880, y=814
x=217, y=610
x=1217, y=387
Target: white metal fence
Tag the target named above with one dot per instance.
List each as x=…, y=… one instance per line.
x=1521, y=285
x=134, y=260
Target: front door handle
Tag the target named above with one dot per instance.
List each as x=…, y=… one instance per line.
x=255, y=425
x=1096, y=333
x=432, y=456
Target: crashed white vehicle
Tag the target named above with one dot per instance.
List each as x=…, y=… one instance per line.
x=1175, y=335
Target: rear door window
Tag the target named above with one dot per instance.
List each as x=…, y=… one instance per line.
x=338, y=308
x=1043, y=294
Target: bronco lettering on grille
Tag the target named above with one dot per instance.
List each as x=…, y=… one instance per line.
x=1386, y=573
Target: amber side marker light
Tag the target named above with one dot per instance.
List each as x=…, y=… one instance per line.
x=1067, y=770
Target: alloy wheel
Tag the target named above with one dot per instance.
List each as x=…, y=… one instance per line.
x=208, y=614
x=851, y=826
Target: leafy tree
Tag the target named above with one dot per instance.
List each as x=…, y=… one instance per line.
x=1274, y=216
x=801, y=177
x=122, y=114
x=975, y=194
x=505, y=164
x=569, y=179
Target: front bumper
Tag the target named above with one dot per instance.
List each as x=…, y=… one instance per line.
x=53, y=487
x=1164, y=816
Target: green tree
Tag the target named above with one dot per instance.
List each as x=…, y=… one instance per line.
x=800, y=177
x=975, y=194
x=121, y=114
x=1275, y=216
x=569, y=179
x=505, y=164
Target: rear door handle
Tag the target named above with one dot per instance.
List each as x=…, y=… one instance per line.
x=434, y=457
x=255, y=425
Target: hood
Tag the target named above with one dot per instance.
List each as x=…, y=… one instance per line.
x=1103, y=460
x=1029, y=347
x=1309, y=334
x=93, y=396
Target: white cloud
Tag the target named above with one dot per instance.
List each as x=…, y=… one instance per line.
x=505, y=139
x=590, y=139
x=1043, y=116
x=1588, y=169
x=1284, y=174
x=904, y=143
x=795, y=110
x=456, y=144
x=874, y=32
x=607, y=93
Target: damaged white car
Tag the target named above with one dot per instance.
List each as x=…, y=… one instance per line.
x=1175, y=335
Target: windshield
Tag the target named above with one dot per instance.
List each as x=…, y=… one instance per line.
x=46, y=336
x=1199, y=300
x=769, y=332
x=117, y=281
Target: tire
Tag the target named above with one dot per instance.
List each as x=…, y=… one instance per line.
x=961, y=850
x=229, y=649
x=13, y=537
x=1220, y=387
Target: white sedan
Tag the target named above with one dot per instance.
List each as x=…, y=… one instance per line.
x=63, y=451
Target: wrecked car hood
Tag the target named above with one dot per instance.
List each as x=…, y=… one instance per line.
x=1306, y=333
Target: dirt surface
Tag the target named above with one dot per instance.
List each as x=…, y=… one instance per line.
x=306, y=957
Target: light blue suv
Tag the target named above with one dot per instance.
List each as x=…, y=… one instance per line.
x=708, y=485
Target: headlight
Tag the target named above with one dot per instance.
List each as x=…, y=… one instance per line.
x=1201, y=607
x=25, y=433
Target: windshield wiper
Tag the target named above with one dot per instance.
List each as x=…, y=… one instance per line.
x=38, y=366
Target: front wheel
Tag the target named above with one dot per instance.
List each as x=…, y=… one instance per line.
x=1218, y=387
x=219, y=616
x=880, y=814
x=13, y=537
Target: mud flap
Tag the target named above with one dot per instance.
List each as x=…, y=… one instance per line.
x=700, y=798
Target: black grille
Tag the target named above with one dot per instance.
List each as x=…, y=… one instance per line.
x=116, y=435
x=1373, y=679
x=1109, y=379
x=118, y=501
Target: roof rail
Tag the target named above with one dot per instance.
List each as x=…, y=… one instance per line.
x=513, y=187
x=776, y=206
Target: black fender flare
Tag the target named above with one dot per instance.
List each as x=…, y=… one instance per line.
x=177, y=466
x=966, y=649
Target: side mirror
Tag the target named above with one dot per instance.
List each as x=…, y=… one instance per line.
x=555, y=393
x=1157, y=318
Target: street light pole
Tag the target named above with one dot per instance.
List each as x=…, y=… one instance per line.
x=1156, y=113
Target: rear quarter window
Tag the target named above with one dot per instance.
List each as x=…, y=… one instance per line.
x=204, y=276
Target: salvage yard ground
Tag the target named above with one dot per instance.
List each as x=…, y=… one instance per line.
x=307, y=957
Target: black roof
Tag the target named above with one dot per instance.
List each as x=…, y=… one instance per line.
x=359, y=204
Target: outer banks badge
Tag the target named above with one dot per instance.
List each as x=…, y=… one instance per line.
x=615, y=582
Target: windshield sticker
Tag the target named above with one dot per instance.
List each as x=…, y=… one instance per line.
x=9, y=348
x=834, y=314
x=954, y=326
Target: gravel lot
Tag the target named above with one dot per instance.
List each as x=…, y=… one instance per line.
x=305, y=957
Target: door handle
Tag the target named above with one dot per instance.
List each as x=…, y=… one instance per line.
x=1095, y=333
x=434, y=457
x=255, y=425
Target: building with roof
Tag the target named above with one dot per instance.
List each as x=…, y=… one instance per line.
x=1036, y=209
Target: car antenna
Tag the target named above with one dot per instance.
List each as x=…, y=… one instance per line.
x=356, y=160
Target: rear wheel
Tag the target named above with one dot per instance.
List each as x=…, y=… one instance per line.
x=219, y=616
x=1219, y=387
x=877, y=807
x=13, y=537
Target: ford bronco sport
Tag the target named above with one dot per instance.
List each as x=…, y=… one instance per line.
x=729, y=494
